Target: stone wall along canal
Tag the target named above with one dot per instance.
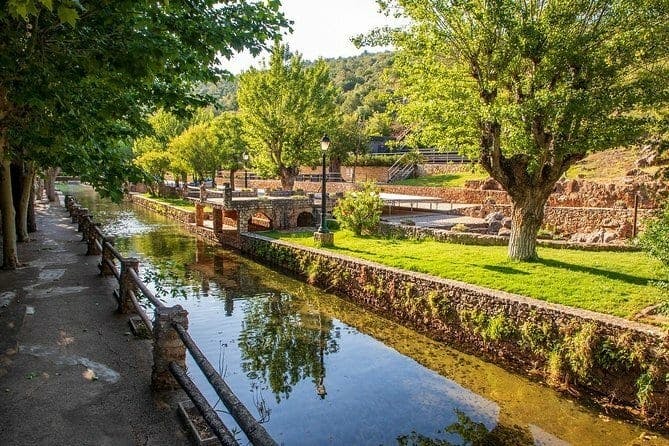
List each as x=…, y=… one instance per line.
x=318, y=370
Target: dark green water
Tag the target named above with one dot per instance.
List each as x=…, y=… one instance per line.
x=318, y=370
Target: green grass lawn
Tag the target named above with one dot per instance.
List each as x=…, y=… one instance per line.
x=180, y=203
x=607, y=282
x=444, y=180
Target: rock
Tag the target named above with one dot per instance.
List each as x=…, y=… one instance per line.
x=494, y=226
x=490, y=184
x=494, y=216
x=572, y=186
x=506, y=223
x=594, y=237
x=634, y=173
x=578, y=238
x=625, y=230
x=609, y=237
x=504, y=232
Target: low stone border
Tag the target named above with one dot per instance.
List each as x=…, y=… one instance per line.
x=622, y=365
x=164, y=209
x=470, y=238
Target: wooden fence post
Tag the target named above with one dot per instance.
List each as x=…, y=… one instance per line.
x=127, y=285
x=74, y=212
x=91, y=235
x=167, y=346
x=82, y=216
x=105, y=269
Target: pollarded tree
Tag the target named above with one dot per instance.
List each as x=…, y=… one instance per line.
x=530, y=87
x=285, y=110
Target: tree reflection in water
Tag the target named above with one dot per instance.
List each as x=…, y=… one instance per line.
x=472, y=433
x=282, y=343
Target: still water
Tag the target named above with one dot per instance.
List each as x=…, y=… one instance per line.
x=317, y=370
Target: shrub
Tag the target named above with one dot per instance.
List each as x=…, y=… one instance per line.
x=360, y=211
x=460, y=227
x=655, y=239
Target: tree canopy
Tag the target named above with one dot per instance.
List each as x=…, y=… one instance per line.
x=530, y=87
x=78, y=77
x=285, y=109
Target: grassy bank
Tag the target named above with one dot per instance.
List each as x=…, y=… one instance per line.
x=607, y=282
x=443, y=180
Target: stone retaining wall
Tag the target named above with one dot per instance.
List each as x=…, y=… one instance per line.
x=469, y=238
x=569, y=221
x=172, y=212
x=618, y=363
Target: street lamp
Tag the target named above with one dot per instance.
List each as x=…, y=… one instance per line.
x=246, y=172
x=325, y=144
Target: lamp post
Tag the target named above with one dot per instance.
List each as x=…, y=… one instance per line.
x=323, y=237
x=325, y=144
x=246, y=172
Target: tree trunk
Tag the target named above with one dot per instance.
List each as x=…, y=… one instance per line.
x=10, y=258
x=32, y=222
x=335, y=165
x=527, y=215
x=288, y=175
x=25, y=174
x=232, y=178
x=50, y=182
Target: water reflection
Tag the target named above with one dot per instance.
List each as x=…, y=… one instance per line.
x=334, y=373
x=283, y=343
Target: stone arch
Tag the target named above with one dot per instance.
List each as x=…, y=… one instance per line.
x=230, y=217
x=305, y=219
x=259, y=221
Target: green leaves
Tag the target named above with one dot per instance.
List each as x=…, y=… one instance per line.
x=285, y=109
x=360, y=210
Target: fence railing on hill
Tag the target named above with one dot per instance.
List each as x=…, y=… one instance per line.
x=169, y=332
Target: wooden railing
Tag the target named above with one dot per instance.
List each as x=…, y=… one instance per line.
x=169, y=329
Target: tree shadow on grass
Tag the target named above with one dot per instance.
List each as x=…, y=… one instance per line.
x=611, y=275
x=504, y=269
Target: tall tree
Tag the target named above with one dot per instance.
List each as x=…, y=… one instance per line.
x=231, y=146
x=151, y=152
x=79, y=76
x=285, y=110
x=530, y=87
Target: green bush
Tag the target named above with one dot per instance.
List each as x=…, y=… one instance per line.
x=655, y=239
x=360, y=210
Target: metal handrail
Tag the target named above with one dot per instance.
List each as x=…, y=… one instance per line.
x=200, y=402
x=253, y=430
x=117, y=255
x=140, y=311
x=144, y=289
x=113, y=268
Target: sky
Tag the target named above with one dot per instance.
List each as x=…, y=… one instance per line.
x=322, y=28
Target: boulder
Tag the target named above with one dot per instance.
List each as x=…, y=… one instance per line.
x=504, y=232
x=491, y=184
x=506, y=223
x=609, y=237
x=494, y=216
x=494, y=226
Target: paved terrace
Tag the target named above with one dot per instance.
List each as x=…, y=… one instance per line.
x=70, y=372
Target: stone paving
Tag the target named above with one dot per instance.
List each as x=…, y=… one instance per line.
x=70, y=372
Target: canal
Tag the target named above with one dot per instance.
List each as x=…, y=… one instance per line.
x=318, y=370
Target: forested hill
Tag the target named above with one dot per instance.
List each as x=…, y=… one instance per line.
x=359, y=78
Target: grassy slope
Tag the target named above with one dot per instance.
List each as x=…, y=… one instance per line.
x=444, y=180
x=613, y=283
